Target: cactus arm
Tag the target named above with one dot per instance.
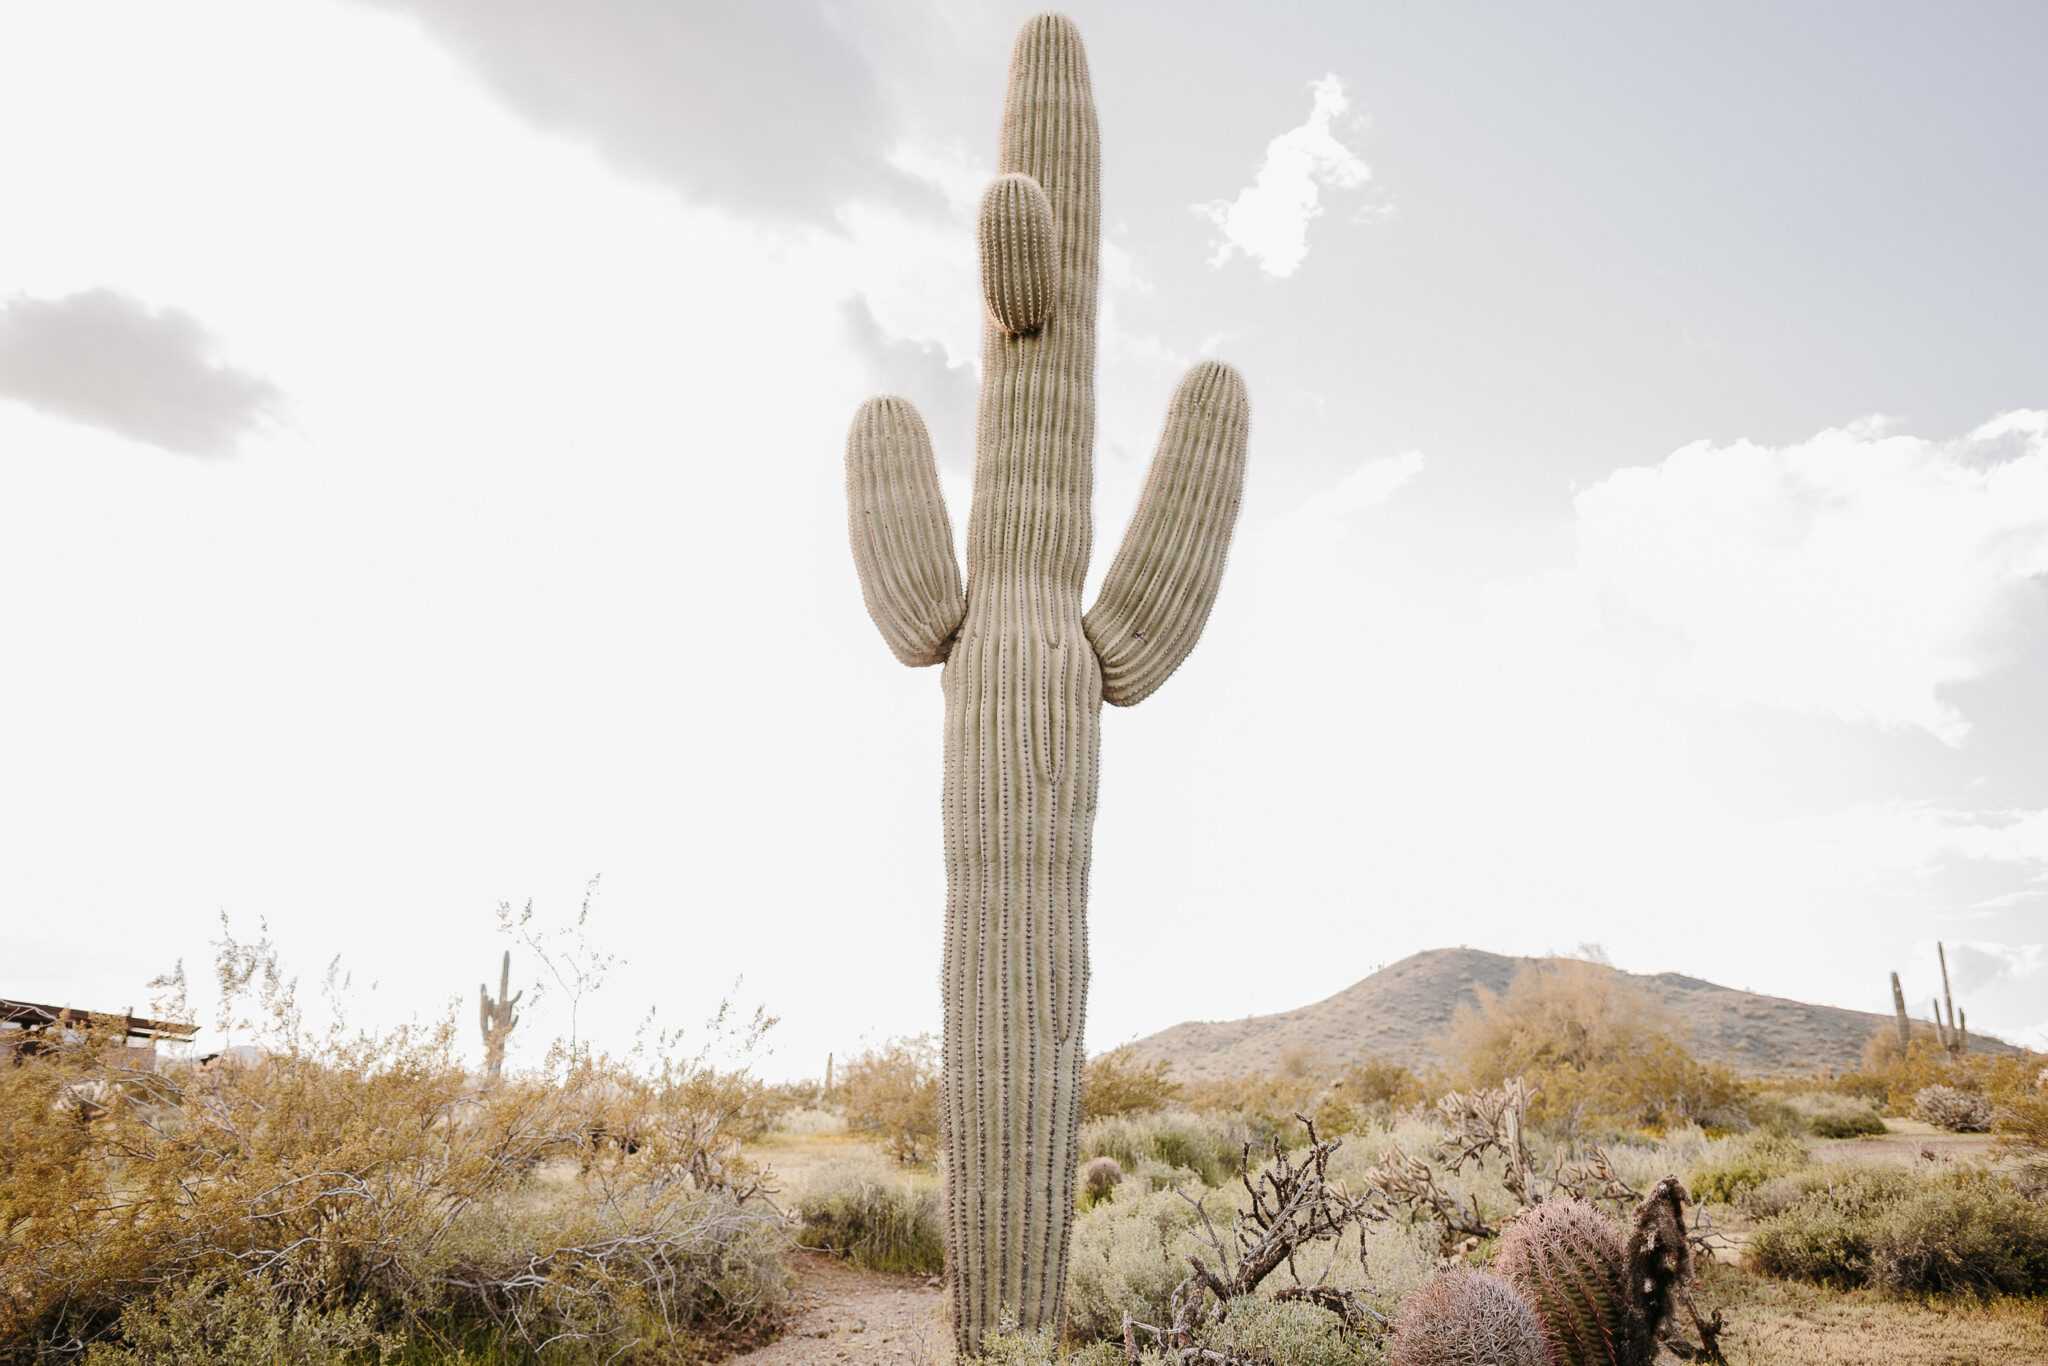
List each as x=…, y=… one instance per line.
x=1163, y=581
x=902, y=539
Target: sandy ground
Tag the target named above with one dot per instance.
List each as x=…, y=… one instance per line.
x=845, y=1315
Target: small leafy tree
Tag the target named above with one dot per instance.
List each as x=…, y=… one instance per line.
x=1116, y=1083
x=892, y=1092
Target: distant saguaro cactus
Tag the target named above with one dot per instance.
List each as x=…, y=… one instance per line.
x=1904, y=1025
x=1027, y=673
x=497, y=1018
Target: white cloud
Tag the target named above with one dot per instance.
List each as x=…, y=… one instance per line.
x=1372, y=483
x=1855, y=574
x=1268, y=221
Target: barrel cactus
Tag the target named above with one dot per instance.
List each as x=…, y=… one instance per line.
x=1568, y=1261
x=1466, y=1318
x=1026, y=672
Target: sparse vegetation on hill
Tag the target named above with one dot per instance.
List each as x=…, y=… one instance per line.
x=1403, y=1013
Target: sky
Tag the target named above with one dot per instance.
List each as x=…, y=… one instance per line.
x=421, y=426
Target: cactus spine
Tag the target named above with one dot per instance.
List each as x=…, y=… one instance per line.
x=497, y=1018
x=1026, y=672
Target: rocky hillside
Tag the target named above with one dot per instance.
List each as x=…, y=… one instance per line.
x=1403, y=1013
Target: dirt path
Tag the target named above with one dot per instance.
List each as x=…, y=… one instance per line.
x=847, y=1315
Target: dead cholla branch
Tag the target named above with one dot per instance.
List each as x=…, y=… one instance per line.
x=1293, y=1207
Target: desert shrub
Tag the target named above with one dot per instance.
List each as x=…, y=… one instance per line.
x=1368, y=1093
x=1467, y=1318
x=1857, y=1189
x=1835, y=1116
x=250, y=1321
x=365, y=1184
x=1597, y=1052
x=1008, y=1347
x=2023, y=1138
x=1128, y=1255
x=1378, y=1083
x=1975, y=1237
x=1891, y=1078
x=1904, y=1232
x=874, y=1218
x=1100, y=1176
x=1208, y=1146
x=892, y=1092
x=1116, y=1083
x=1734, y=1167
x=1290, y=1333
x=1817, y=1242
x=1959, y=1112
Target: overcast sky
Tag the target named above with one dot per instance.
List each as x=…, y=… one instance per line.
x=420, y=438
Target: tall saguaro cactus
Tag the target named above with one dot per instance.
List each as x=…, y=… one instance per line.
x=1026, y=672
x=496, y=1018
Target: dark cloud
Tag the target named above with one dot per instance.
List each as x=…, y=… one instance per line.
x=945, y=394
x=104, y=359
x=767, y=107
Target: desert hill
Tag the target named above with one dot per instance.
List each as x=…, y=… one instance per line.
x=1402, y=1013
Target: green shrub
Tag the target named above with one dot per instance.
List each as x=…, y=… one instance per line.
x=1814, y=1242
x=1210, y=1147
x=1858, y=1189
x=1118, y=1084
x=1128, y=1255
x=892, y=1092
x=874, y=1218
x=1905, y=1232
x=1734, y=1167
x=1289, y=1334
x=242, y=1322
x=1979, y=1237
x=1829, y=1116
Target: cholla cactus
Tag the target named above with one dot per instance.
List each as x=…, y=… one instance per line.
x=1659, y=1256
x=1466, y=1318
x=497, y=1018
x=1567, y=1260
x=1027, y=672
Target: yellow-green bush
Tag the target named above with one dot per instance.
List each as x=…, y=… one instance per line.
x=1116, y=1083
x=353, y=1184
x=1905, y=1232
x=1209, y=1147
x=874, y=1218
x=1128, y=1255
x=1598, y=1054
x=892, y=1092
x=1732, y=1168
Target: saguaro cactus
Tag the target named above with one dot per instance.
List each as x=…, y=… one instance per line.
x=497, y=1018
x=1026, y=672
x=1899, y=1020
